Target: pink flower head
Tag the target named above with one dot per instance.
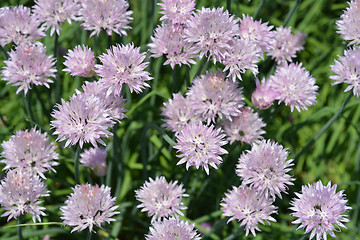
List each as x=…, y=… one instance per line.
x=212, y=95
x=243, y=55
x=88, y=206
x=172, y=229
x=200, y=145
x=178, y=112
x=211, y=30
x=29, y=65
x=80, y=62
x=95, y=158
x=123, y=64
x=81, y=120
x=265, y=167
x=110, y=15
x=248, y=207
x=54, y=12
x=20, y=193
x=18, y=25
x=169, y=40
x=177, y=11
x=286, y=45
x=30, y=150
x=160, y=198
x=95, y=91
x=263, y=96
x=349, y=24
x=259, y=33
x=294, y=86
x=347, y=70
x=246, y=127
x=320, y=210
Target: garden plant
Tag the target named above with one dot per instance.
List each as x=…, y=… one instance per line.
x=179, y=119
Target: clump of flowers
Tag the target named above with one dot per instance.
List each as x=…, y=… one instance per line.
x=249, y=207
x=265, y=168
x=212, y=95
x=200, y=145
x=259, y=33
x=20, y=193
x=88, y=206
x=30, y=150
x=246, y=127
x=176, y=11
x=160, y=198
x=286, y=45
x=347, y=70
x=211, y=30
x=172, y=229
x=18, y=25
x=320, y=210
x=242, y=55
x=110, y=15
x=178, y=112
x=80, y=62
x=81, y=121
x=348, y=25
x=294, y=86
x=123, y=64
x=95, y=158
x=95, y=91
x=29, y=65
x=54, y=12
x=169, y=40
x=263, y=96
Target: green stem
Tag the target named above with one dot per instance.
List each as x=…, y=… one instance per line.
x=76, y=165
x=258, y=10
x=174, y=77
x=291, y=13
x=228, y=5
x=202, y=65
x=4, y=52
x=325, y=127
x=88, y=237
x=57, y=80
x=19, y=230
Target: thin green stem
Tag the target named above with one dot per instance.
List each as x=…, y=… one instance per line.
x=57, y=80
x=258, y=10
x=228, y=5
x=19, y=230
x=76, y=165
x=291, y=13
x=88, y=237
x=4, y=52
x=202, y=65
x=174, y=77
x=325, y=127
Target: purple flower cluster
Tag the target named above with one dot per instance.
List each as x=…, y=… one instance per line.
x=320, y=210
x=30, y=151
x=160, y=198
x=87, y=116
x=110, y=15
x=249, y=207
x=29, y=65
x=348, y=25
x=95, y=158
x=123, y=64
x=20, y=193
x=80, y=62
x=88, y=206
x=172, y=229
x=53, y=12
x=19, y=25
